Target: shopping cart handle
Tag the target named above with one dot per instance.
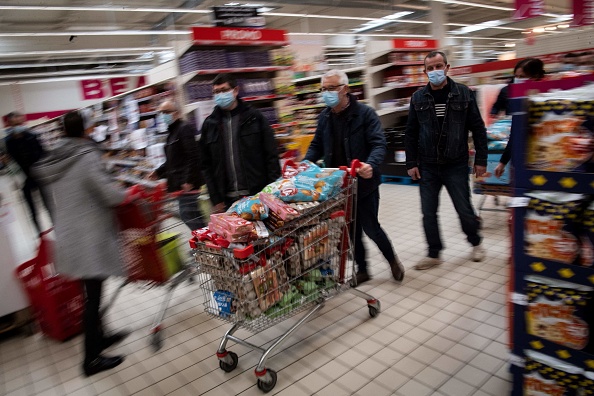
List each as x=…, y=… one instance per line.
x=355, y=164
x=244, y=253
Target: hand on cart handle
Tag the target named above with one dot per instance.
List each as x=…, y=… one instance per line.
x=362, y=169
x=414, y=173
x=479, y=170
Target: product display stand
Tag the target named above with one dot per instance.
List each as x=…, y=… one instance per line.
x=527, y=371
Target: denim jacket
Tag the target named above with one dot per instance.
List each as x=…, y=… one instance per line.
x=364, y=140
x=462, y=115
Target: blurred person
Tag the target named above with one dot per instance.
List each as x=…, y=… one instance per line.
x=436, y=141
x=24, y=148
x=349, y=130
x=82, y=201
x=569, y=61
x=532, y=69
x=502, y=102
x=182, y=165
x=238, y=148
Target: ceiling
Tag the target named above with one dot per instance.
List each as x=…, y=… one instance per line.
x=81, y=38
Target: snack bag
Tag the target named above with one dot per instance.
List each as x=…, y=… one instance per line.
x=499, y=130
x=266, y=286
x=544, y=375
x=552, y=226
x=250, y=208
x=292, y=169
x=225, y=302
x=325, y=181
x=587, y=237
x=276, y=205
x=557, y=311
x=560, y=139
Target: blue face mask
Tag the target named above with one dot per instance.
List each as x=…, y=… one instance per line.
x=568, y=67
x=331, y=98
x=167, y=118
x=224, y=99
x=436, y=77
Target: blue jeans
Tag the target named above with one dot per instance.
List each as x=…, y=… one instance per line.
x=455, y=179
x=189, y=212
x=367, y=212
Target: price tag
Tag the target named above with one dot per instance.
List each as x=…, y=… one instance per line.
x=519, y=202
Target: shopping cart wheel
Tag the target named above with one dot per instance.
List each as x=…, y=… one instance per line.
x=267, y=386
x=157, y=340
x=373, y=312
x=228, y=367
x=374, y=307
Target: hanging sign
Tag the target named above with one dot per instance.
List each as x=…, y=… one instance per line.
x=414, y=44
x=582, y=12
x=221, y=35
x=529, y=9
x=238, y=16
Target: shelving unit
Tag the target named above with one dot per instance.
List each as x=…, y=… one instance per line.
x=524, y=181
x=341, y=56
x=394, y=72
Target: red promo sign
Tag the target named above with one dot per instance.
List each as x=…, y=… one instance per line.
x=582, y=12
x=99, y=88
x=225, y=34
x=414, y=44
x=528, y=8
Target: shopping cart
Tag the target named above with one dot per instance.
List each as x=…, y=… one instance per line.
x=304, y=263
x=150, y=250
x=56, y=301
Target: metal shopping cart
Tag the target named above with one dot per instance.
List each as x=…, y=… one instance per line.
x=303, y=263
x=150, y=250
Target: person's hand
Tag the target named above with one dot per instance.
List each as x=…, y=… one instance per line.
x=153, y=176
x=218, y=208
x=365, y=171
x=479, y=170
x=187, y=187
x=414, y=173
x=499, y=170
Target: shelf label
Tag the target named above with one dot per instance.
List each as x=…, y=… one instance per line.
x=518, y=202
x=414, y=44
x=228, y=34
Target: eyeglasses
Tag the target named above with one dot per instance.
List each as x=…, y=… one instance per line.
x=222, y=90
x=331, y=88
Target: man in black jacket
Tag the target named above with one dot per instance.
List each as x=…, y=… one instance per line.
x=440, y=116
x=238, y=149
x=182, y=165
x=349, y=130
x=24, y=148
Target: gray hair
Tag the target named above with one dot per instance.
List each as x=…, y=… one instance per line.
x=342, y=76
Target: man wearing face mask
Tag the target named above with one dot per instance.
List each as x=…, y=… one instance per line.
x=24, y=148
x=182, y=165
x=238, y=149
x=440, y=116
x=350, y=130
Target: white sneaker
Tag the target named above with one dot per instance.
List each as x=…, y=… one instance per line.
x=478, y=253
x=427, y=262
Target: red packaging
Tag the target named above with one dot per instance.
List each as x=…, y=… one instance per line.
x=284, y=211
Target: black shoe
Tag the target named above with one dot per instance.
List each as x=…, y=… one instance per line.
x=397, y=270
x=102, y=363
x=362, y=277
x=113, y=339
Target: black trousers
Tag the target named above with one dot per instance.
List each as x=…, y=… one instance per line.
x=28, y=189
x=92, y=327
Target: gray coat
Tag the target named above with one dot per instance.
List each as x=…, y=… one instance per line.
x=81, y=198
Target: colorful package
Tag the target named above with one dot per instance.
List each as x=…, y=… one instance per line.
x=587, y=237
x=557, y=311
x=292, y=170
x=266, y=286
x=327, y=182
x=552, y=226
x=288, y=191
x=250, y=208
x=544, y=375
x=284, y=211
x=499, y=130
x=225, y=302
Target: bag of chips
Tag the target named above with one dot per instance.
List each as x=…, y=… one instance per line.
x=544, y=375
x=250, y=208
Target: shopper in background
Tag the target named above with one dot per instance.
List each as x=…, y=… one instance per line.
x=182, y=165
x=350, y=130
x=82, y=201
x=530, y=69
x=238, y=149
x=502, y=102
x=24, y=148
x=440, y=116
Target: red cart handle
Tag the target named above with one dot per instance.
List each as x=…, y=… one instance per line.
x=355, y=164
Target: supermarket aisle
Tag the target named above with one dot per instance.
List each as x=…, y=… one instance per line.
x=442, y=332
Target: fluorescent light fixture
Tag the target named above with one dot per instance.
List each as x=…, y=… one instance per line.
x=89, y=62
x=72, y=78
x=104, y=9
x=550, y=28
x=397, y=15
x=466, y=3
x=480, y=38
x=538, y=30
x=491, y=27
x=563, y=26
x=510, y=44
x=362, y=35
x=82, y=51
x=371, y=25
x=477, y=27
x=284, y=14
x=98, y=33
x=63, y=73
x=232, y=4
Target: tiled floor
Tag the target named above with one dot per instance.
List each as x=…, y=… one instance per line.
x=441, y=332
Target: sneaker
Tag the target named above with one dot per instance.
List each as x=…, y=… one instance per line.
x=428, y=262
x=397, y=270
x=362, y=277
x=478, y=253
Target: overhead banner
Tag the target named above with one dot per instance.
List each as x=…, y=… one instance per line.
x=529, y=9
x=218, y=35
x=582, y=12
x=238, y=16
x=414, y=44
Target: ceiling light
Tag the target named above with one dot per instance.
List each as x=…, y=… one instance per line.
x=71, y=78
x=362, y=35
x=80, y=63
x=62, y=73
x=480, y=38
x=105, y=9
x=528, y=32
x=477, y=27
x=98, y=33
x=510, y=44
x=564, y=26
x=538, y=30
x=397, y=15
x=371, y=25
x=81, y=51
x=466, y=3
x=550, y=28
x=232, y=4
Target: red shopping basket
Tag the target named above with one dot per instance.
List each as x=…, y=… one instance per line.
x=57, y=302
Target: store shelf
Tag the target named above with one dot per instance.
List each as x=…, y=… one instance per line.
x=148, y=114
x=379, y=68
x=319, y=76
x=155, y=96
x=413, y=63
x=240, y=43
x=188, y=76
x=381, y=90
x=393, y=110
x=316, y=106
x=263, y=98
x=307, y=91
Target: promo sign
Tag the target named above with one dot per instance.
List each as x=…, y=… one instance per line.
x=238, y=16
x=528, y=9
x=414, y=44
x=106, y=88
x=237, y=35
x=582, y=12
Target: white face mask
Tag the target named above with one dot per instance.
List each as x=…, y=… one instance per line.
x=519, y=80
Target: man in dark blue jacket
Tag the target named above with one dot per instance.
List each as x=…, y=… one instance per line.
x=350, y=130
x=440, y=116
